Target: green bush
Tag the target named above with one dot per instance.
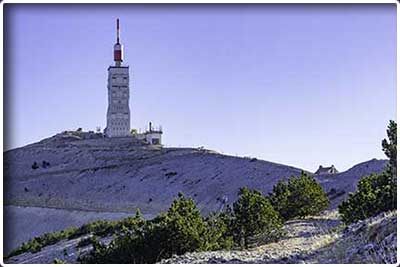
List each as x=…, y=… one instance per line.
x=389, y=146
x=181, y=229
x=375, y=193
x=279, y=198
x=36, y=244
x=99, y=228
x=253, y=217
x=218, y=233
x=299, y=197
x=123, y=249
x=58, y=261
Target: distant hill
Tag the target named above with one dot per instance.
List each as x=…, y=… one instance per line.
x=341, y=184
x=119, y=175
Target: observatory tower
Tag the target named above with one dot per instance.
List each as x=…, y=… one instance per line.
x=118, y=112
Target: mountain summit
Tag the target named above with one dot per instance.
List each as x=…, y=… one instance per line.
x=90, y=173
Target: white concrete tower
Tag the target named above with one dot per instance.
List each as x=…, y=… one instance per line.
x=118, y=112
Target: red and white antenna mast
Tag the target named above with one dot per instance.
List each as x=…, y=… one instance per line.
x=118, y=55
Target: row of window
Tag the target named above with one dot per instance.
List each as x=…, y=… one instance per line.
x=119, y=116
x=124, y=101
x=113, y=123
x=119, y=129
x=119, y=94
x=120, y=79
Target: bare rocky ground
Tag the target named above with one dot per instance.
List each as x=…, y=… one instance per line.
x=100, y=176
x=316, y=240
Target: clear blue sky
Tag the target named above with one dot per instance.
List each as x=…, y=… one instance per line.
x=302, y=85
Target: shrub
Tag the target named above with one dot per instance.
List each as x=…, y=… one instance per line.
x=218, y=233
x=375, y=193
x=253, y=215
x=86, y=241
x=36, y=244
x=279, y=198
x=390, y=147
x=181, y=229
x=45, y=164
x=35, y=165
x=99, y=228
x=123, y=249
x=58, y=261
x=299, y=197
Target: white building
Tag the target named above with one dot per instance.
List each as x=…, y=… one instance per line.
x=153, y=135
x=118, y=112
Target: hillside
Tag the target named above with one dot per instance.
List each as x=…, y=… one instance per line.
x=339, y=185
x=121, y=175
x=98, y=177
x=316, y=239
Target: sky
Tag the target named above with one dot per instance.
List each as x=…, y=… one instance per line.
x=301, y=85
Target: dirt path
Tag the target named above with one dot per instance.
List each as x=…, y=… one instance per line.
x=303, y=238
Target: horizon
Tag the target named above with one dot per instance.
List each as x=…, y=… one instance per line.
x=322, y=77
x=240, y=156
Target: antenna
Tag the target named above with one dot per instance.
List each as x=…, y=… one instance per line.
x=117, y=30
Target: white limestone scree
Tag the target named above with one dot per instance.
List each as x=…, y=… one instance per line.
x=118, y=112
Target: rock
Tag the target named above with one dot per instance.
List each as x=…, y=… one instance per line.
x=369, y=247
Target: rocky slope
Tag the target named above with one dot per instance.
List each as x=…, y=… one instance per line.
x=317, y=240
x=118, y=175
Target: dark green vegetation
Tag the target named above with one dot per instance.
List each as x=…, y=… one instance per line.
x=298, y=197
x=375, y=193
x=254, y=217
x=253, y=220
x=99, y=228
x=57, y=261
x=181, y=229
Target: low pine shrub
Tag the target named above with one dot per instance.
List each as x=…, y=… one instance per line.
x=299, y=197
x=253, y=216
x=375, y=193
x=181, y=229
